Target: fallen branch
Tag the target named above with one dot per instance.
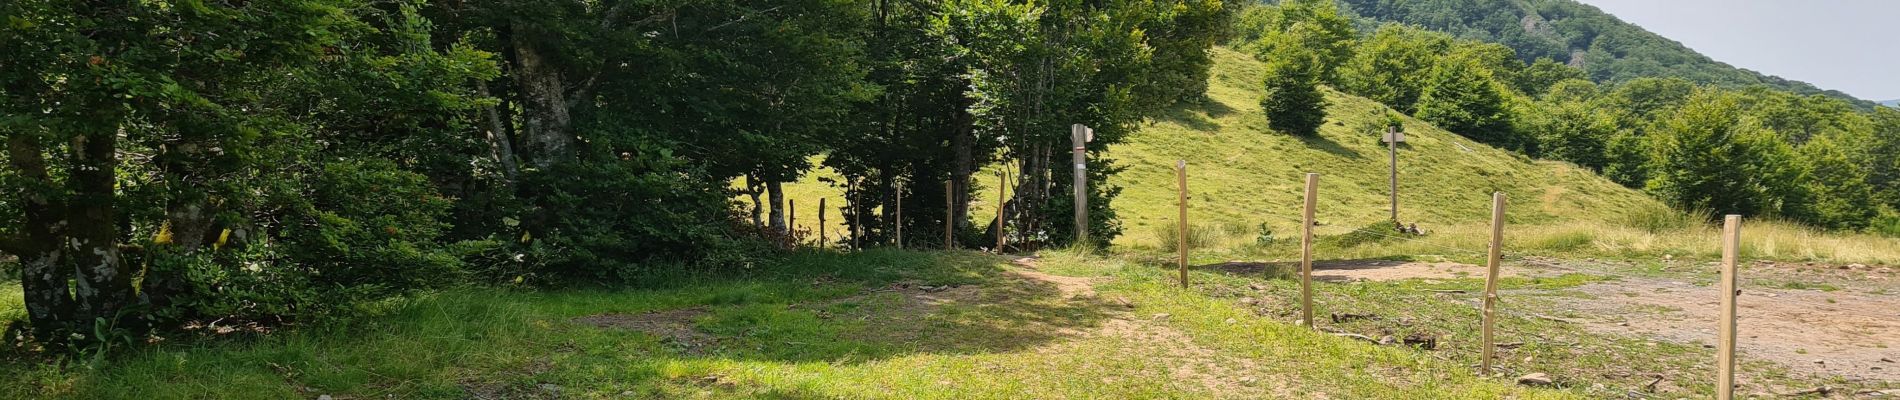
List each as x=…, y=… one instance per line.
x=1557, y=319
x=1368, y=339
x=1823, y=391
x=1651, y=387
x=1457, y=291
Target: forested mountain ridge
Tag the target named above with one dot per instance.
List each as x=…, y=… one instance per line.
x=1607, y=48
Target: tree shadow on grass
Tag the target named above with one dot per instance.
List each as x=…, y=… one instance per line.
x=1200, y=116
x=1336, y=271
x=955, y=308
x=1329, y=146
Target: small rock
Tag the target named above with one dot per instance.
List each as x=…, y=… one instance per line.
x=551, y=388
x=1387, y=339
x=1256, y=286
x=1162, y=316
x=1534, y=379
x=1248, y=301
x=1820, y=361
x=1231, y=321
x=1124, y=302
x=1247, y=380
x=323, y=397
x=1300, y=322
x=1856, y=266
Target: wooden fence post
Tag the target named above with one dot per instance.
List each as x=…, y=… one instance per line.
x=949, y=223
x=1392, y=143
x=1180, y=175
x=1079, y=135
x=1491, y=279
x=1725, y=352
x=821, y=224
x=1002, y=203
x=857, y=216
x=1306, y=251
x=791, y=221
x=900, y=216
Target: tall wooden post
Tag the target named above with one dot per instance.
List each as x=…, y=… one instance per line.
x=1180, y=174
x=949, y=223
x=1725, y=352
x=857, y=215
x=900, y=216
x=1392, y=144
x=1079, y=135
x=1002, y=203
x=1491, y=279
x=791, y=221
x=1306, y=250
x=821, y=224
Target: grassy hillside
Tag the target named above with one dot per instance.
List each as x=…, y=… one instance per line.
x=1242, y=173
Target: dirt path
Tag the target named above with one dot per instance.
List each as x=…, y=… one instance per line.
x=1214, y=371
x=1848, y=327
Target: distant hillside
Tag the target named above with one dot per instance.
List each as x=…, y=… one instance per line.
x=1891, y=103
x=1606, y=47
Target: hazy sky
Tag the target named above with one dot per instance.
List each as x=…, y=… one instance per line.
x=1848, y=45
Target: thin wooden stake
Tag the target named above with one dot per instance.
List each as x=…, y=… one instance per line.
x=900, y=216
x=1079, y=136
x=857, y=216
x=1392, y=140
x=1002, y=203
x=1725, y=352
x=949, y=223
x=1306, y=250
x=821, y=223
x=1180, y=174
x=1491, y=280
x=791, y=221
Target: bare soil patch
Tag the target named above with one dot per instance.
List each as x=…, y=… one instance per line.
x=1360, y=270
x=1851, y=335
x=675, y=327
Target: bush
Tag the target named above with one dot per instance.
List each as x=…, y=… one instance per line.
x=1658, y=218
x=619, y=221
x=1199, y=236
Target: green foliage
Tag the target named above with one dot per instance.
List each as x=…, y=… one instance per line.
x=1571, y=131
x=1607, y=49
x=1390, y=67
x=1292, y=100
x=1463, y=97
x=1838, y=178
x=1709, y=155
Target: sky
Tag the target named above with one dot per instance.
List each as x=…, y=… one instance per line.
x=1848, y=45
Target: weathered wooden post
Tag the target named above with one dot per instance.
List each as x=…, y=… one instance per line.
x=1392, y=139
x=949, y=220
x=821, y=224
x=857, y=215
x=1725, y=351
x=900, y=216
x=791, y=221
x=1180, y=174
x=1306, y=250
x=1491, y=279
x=1002, y=204
x=1080, y=135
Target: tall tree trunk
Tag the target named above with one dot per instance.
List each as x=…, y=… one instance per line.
x=777, y=193
x=546, y=138
x=103, y=287
x=753, y=189
x=500, y=145
x=49, y=299
x=963, y=144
